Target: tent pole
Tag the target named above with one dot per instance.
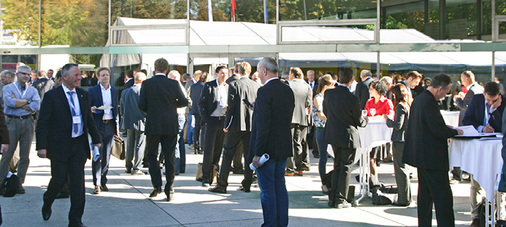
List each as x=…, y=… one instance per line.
x=493, y=66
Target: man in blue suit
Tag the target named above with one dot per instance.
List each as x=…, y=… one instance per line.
x=271, y=134
x=104, y=106
x=484, y=112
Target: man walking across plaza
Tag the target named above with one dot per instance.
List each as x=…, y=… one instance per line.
x=62, y=136
x=20, y=103
x=160, y=96
x=104, y=106
x=271, y=134
x=238, y=126
x=426, y=149
x=134, y=123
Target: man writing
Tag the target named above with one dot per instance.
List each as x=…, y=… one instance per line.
x=62, y=136
x=271, y=135
x=426, y=148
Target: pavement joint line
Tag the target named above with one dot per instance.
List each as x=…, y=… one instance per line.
x=152, y=201
x=375, y=214
x=210, y=222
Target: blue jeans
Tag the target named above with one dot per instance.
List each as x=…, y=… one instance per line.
x=322, y=148
x=189, y=136
x=180, y=152
x=274, y=197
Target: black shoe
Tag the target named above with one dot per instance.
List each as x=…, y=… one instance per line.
x=332, y=203
x=62, y=195
x=217, y=190
x=128, y=171
x=170, y=197
x=46, y=212
x=104, y=188
x=239, y=171
x=245, y=189
x=155, y=192
x=21, y=189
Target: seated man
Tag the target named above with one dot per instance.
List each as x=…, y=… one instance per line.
x=485, y=114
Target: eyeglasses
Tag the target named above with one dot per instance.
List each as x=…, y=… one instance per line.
x=24, y=73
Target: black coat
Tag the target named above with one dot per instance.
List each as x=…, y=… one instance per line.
x=272, y=116
x=427, y=135
x=362, y=92
x=195, y=92
x=160, y=97
x=343, y=118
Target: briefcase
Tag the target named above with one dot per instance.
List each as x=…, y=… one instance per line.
x=118, y=147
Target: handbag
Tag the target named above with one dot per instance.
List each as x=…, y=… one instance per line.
x=118, y=147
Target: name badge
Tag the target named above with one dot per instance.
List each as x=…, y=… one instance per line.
x=76, y=119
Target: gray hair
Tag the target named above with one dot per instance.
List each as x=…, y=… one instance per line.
x=269, y=64
x=387, y=80
x=23, y=67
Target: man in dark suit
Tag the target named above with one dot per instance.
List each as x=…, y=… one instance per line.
x=62, y=136
x=426, y=148
x=271, y=134
x=4, y=140
x=134, y=123
x=362, y=90
x=238, y=126
x=343, y=113
x=129, y=77
x=195, y=91
x=301, y=119
x=311, y=136
x=104, y=106
x=491, y=101
x=213, y=105
x=412, y=80
x=237, y=162
x=160, y=96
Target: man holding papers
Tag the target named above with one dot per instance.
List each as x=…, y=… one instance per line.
x=485, y=114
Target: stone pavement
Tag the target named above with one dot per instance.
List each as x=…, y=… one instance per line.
x=127, y=202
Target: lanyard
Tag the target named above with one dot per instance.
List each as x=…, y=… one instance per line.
x=22, y=94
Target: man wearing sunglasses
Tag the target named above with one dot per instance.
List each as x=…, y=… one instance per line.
x=20, y=103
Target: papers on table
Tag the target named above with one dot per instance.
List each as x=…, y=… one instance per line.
x=470, y=132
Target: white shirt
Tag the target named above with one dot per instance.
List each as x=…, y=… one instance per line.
x=221, y=108
x=107, y=101
x=77, y=109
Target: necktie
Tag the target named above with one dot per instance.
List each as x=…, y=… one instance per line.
x=487, y=114
x=75, y=126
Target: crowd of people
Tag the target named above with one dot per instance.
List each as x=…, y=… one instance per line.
x=237, y=118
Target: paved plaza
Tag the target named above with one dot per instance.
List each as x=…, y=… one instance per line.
x=127, y=202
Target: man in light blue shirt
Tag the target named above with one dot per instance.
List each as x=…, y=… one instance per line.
x=21, y=102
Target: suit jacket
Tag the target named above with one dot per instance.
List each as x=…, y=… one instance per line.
x=4, y=132
x=238, y=116
x=427, y=135
x=272, y=114
x=343, y=118
x=160, y=96
x=475, y=113
x=362, y=91
x=54, y=126
x=502, y=183
x=303, y=100
x=315, y=87
x=95, y=94
x=400, y=122
x=133, y=117
x=208, y=100
x=129, y=84
x=43, y=85
x=464, y=103
x=195, y=91
x=233, y=78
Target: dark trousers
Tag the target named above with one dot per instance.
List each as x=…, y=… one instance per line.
x=214, y=137
x=65, y=168
x=237, y=162
x=434, y=187
x=100, y=168
x=401, y=174
x=196, y=132
x=343, y=161
x=232, y=139
x=168, y=143
x=300, y=160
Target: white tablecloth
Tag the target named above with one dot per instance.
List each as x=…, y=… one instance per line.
x=451, y=117
x=482, y=158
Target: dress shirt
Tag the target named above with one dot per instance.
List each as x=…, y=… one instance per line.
x=77, y=109
x=15, y=89
x=486, y=117
x=107, y=101
x=222, y=96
